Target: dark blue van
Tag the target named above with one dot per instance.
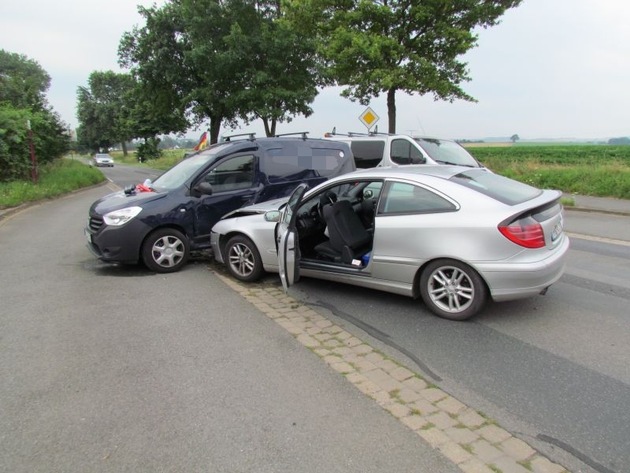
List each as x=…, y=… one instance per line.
x=161, y=222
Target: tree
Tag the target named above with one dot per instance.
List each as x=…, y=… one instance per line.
x=23, y=84
x=179, y=56
x=279, y=67
x=514, y=138
x=373, y=47
x=115, y=108
x=102, y=110
x=624, y=140
x=218, y=61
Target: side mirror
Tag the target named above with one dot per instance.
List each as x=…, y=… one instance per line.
x=368, y=194
x=204, y=188
x=272, y=216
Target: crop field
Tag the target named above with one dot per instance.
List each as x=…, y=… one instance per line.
x=598, y=170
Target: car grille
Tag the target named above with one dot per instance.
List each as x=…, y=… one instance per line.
x=96, y=222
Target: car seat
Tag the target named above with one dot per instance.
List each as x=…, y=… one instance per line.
x=348, y=238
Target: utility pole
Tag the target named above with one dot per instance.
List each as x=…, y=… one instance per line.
x=34, y=173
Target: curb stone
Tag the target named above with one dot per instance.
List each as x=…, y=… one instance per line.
x=467, y=438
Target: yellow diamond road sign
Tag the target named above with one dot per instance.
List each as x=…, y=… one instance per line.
x=368, y=118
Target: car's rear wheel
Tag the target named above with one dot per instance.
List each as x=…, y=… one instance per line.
x=165, y=250
x=452, y=290
x=243, y=259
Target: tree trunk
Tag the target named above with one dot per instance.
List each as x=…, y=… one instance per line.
x=124, y=148
x=391, y=110
x=215, y=128
x=270, y=129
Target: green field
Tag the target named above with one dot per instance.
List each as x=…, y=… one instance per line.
x=597, y=170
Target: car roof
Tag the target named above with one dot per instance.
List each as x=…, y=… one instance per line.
x=381, y=136
x=412, y=171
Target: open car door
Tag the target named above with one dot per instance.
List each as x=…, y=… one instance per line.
x=287, y=239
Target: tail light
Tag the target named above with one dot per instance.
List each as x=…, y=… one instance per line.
x=525, y=232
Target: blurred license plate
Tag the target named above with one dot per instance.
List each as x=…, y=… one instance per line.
x=557, y=231
x=88, y=236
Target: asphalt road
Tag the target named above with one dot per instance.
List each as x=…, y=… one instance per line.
x=114, y=368
x=553, y=368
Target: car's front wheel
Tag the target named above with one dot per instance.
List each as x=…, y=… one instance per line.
x=243, y=259
x=452, y=290
x=165, y=250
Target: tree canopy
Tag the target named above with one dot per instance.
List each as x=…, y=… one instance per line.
x=101, y=110
x=23, y=82
x=375, y=47
x=219, y=61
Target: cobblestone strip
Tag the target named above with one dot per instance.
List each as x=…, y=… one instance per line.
x=467, y=438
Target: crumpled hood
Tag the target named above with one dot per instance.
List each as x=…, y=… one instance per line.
x=120, y=200
x=259, y=208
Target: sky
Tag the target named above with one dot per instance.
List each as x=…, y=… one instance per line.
x=551, y=69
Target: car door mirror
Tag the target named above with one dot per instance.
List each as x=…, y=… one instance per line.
x=272, y=216
x=204, y=188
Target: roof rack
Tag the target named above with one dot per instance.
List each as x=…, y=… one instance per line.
x=356, y=133
x=376, y=132
x=334, y=133
x=303, y=133
x=251, y=136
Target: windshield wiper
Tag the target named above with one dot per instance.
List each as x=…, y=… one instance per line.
x=455, y=164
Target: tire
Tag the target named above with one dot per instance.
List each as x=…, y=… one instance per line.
x=165, y=251
x=242, y=259
x=452, y=290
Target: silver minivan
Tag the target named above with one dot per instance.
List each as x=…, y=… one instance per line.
x=381, y=149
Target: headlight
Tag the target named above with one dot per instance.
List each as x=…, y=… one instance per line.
x=122, y=216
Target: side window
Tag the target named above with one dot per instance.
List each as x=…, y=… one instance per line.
x=296, y=161
x=416, y=156
x=402, y=198
x=400, y=152
x=233, y=174
x=367, y=154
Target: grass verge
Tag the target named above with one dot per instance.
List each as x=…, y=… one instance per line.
x=55, y=179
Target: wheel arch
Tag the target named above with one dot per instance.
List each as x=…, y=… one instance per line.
x=418, y=275
x=179, y=228
x=224, y=238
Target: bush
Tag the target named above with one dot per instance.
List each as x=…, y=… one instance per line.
x=149, y=150
x=50, y=141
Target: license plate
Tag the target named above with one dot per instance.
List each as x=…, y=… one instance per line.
x=557, y=231
x=88, y=236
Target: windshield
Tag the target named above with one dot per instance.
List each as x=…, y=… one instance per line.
x=447, y=152
x=183, y=171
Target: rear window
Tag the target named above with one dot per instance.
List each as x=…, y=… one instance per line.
x=367, y=154
x=503, y=189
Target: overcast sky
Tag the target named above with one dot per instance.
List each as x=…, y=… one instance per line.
x=550, y=69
